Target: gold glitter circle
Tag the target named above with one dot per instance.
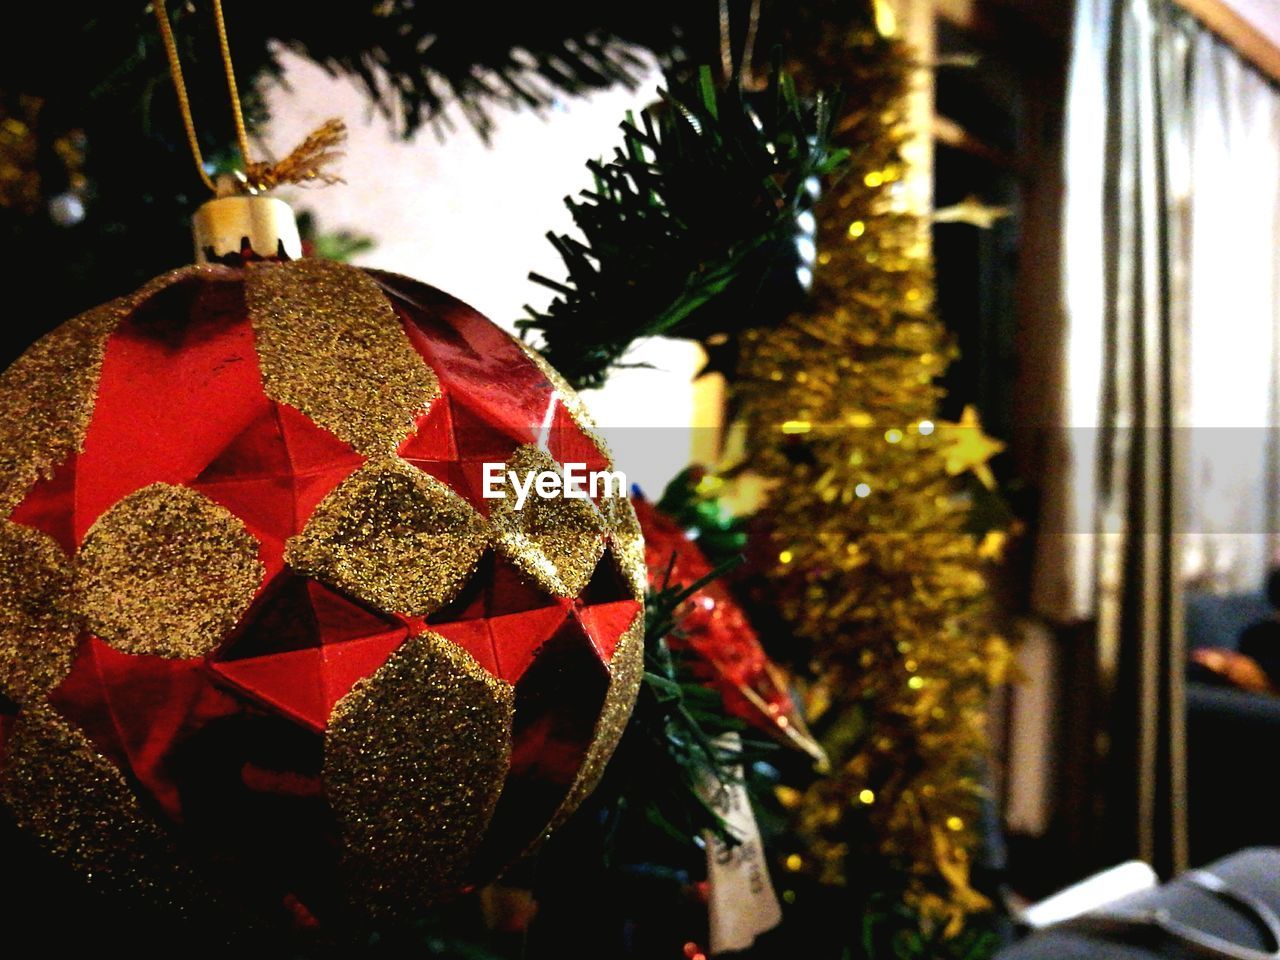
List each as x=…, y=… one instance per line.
x=166, y=572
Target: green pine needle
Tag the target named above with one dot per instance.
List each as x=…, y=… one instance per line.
x=688, y=224
x=671, y=748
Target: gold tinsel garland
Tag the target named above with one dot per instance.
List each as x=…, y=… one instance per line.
x=874, y=566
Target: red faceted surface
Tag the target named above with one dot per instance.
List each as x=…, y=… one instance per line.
x=226, y=751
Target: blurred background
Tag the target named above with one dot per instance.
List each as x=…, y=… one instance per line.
x=1096, y=184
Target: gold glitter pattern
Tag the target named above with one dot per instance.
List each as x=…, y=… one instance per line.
x=874, y=564
x=627, y=543
x=417, y=754
x=556, y=540
x=38, y=628
x=626, y=670
x=61, y=791
x=620, y=517
x=166, y=572
x=47, y=395
x=330, y=344
x=394, y=537
x=415, y=758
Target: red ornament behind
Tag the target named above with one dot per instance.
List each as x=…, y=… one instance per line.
x=717, y=630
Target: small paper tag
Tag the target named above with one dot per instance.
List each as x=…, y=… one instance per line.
x=740, y=894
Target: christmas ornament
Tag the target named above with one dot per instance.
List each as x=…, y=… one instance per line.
x=716, y=630
x=263, y=637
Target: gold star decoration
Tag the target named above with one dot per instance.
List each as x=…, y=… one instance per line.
x=966, y=447
x=993, y=545
x=973, y=211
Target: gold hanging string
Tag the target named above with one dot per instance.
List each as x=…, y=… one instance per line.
x=307, y=162
x=748, y=79
x=242, y=138
x=726, y=44
x=746, y=69
x=180, y=88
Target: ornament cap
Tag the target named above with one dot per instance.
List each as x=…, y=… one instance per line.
x=234, y=229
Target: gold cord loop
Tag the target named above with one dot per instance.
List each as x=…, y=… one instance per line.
x=224, y=45
x=180, y=88
x=306, y=163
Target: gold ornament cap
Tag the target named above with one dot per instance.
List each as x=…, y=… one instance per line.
x=235, y=229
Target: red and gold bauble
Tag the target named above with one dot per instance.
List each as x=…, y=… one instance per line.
x=262, y=636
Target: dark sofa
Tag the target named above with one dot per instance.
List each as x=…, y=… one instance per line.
x=1233, y=739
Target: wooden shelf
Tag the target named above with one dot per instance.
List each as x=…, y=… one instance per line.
x=1247, y=40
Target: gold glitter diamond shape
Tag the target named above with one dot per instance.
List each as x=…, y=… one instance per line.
x=166, y=572
x=415, y=758
x=38, y=626
x=557, y=540
x=330, y=344
x=393, y=537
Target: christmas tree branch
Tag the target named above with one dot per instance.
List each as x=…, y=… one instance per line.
x=674, y=737
x=690, y=229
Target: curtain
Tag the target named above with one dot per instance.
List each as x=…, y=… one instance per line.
x=1232, y=490
x=1167, y=472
